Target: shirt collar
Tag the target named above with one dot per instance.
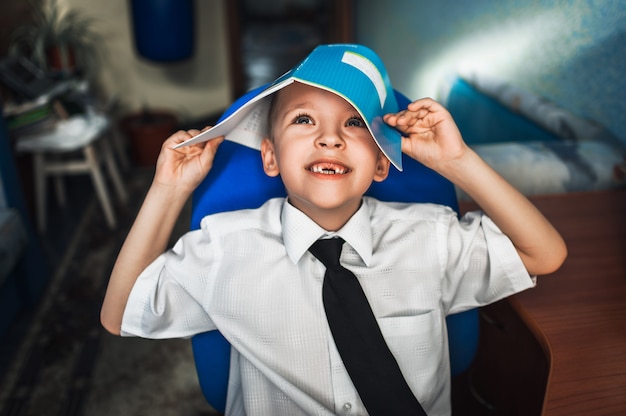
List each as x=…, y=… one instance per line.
x=300, y=232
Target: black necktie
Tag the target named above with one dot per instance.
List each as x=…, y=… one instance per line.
x=371, y=366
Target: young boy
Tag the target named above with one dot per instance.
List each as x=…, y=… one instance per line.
x=249, y=274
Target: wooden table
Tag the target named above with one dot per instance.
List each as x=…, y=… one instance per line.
x=577, y=316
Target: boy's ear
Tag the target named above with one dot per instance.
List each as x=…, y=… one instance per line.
x=268, y=156
x=382, y=168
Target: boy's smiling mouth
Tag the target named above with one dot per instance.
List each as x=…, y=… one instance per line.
x=327, y=168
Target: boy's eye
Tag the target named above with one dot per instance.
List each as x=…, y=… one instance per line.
x=303, y=119
x=355, y=122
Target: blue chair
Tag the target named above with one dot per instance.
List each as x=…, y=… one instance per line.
x=237, y=181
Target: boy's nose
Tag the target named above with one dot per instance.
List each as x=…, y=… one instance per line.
x=330, y=140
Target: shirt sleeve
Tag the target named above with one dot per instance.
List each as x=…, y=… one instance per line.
x=481, y=264
x=167, y=298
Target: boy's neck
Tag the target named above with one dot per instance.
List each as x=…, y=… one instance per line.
x=329, y=219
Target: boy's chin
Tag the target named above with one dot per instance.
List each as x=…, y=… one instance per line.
x=326, y=204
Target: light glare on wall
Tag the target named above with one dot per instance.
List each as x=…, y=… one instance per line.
x=498, y=51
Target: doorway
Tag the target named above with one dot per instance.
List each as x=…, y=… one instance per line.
x=268, y=38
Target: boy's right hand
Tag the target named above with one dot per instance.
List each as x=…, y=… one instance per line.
x=184, y=168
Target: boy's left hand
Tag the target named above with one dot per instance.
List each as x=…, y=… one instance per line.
x=432, y=138
x=430, y=134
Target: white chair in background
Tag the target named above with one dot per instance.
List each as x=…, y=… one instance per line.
x=77, y=145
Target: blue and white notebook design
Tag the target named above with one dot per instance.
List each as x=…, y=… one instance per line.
x=351, y=71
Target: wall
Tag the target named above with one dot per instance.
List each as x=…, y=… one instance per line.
x=192, y=88
x=571, y=52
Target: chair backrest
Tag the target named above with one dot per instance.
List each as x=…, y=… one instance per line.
x=237, y=181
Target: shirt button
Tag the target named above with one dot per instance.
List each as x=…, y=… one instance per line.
x=347, y=407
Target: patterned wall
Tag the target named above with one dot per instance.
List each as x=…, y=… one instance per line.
x=571, y=52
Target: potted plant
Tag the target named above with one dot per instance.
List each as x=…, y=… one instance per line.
x=58, y=40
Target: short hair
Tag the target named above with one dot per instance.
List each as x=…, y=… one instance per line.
x=271, y=114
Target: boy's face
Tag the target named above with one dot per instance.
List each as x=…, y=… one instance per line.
x=324, y=153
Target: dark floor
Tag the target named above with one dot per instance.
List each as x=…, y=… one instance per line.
x=59, y=351
x=62, y=224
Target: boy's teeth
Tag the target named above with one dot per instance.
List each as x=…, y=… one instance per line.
x=328, y=170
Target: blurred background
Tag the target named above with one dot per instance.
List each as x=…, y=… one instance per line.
x=546, y=73
x=568, y=51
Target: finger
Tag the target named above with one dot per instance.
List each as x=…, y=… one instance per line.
x=406, y=146
x=394, y=118
x=210, y=148
x=178, y=137
x=214, y=143
x=427, y=106
x=406, y=119
x=423, y=103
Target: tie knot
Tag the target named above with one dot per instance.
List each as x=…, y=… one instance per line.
x=328, y=251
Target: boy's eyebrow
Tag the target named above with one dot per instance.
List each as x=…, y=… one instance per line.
x=297, y=106
x=308, y=104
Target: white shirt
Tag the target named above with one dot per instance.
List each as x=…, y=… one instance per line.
x=250, y=275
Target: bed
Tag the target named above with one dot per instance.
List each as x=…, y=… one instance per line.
x=537, y=146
